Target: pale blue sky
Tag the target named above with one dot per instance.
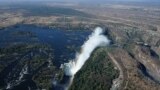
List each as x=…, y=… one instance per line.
x=84, y=1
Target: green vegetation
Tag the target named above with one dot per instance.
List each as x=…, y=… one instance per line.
x=8, y=54
x=14, y=58
x=44, y=77
x=96, y=74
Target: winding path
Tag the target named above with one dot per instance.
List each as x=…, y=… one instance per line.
x=117, y=82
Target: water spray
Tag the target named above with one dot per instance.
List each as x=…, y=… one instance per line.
x=96, y=39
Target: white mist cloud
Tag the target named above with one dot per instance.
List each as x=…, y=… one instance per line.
x=96, y=39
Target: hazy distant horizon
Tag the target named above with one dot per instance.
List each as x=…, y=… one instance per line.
x=89, y=2
x=82, y=0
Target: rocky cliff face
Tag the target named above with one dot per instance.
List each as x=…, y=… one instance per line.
x=150, y=60
x=137, y=53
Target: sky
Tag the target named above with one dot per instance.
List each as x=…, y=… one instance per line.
x=86, y=0
x=83, y=1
